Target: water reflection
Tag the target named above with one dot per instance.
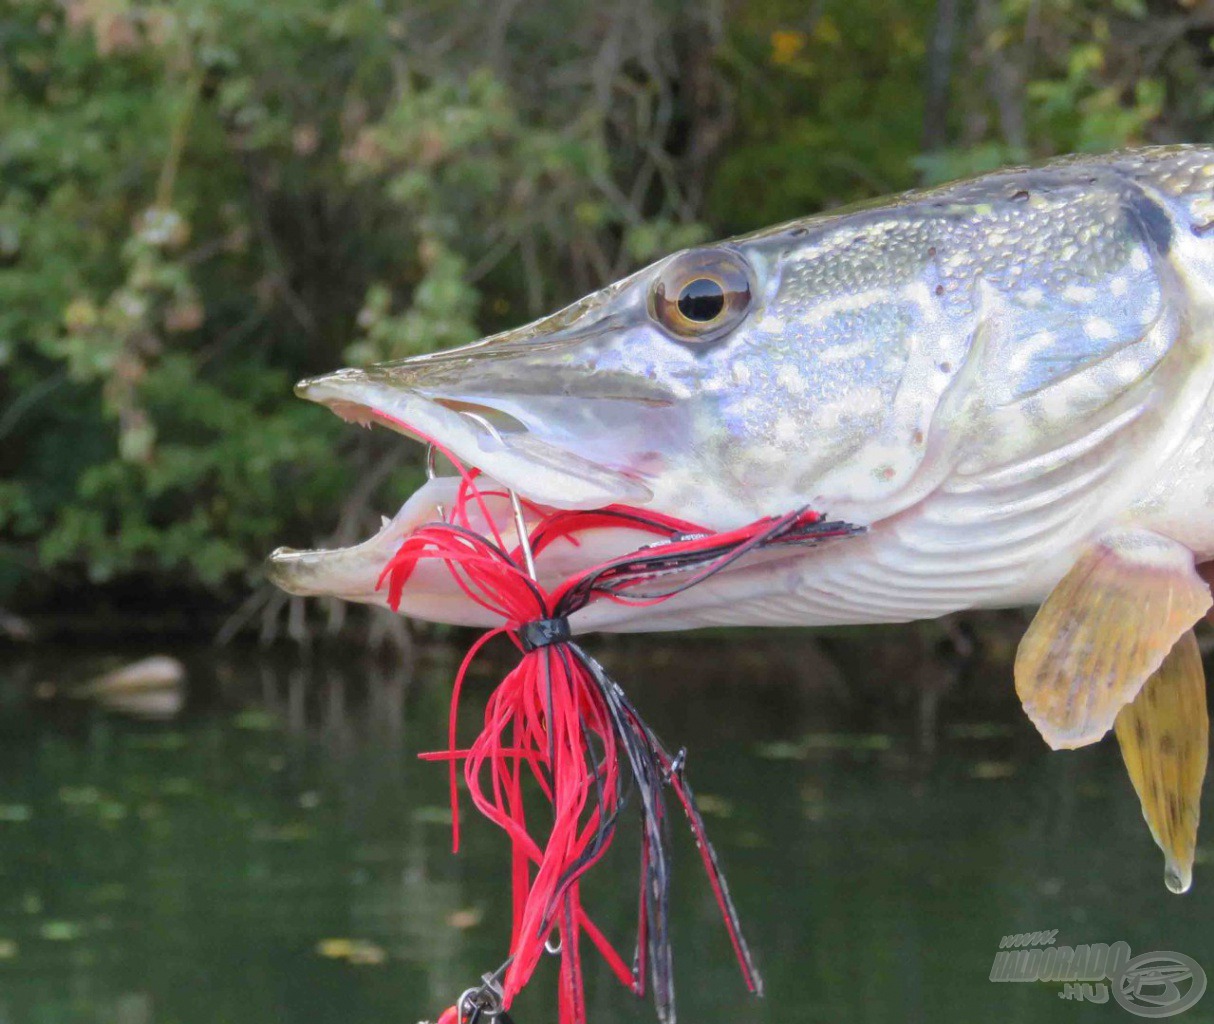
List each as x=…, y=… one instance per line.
x=276, y=853
x=151, y=688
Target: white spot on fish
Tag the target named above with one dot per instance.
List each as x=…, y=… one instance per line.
x=1203, y=208
x=865, y=401
x=1127, y=371
x=1079, y=293
x=791, y=379
x=749, y=407
x=1099, y=329
x=824, y=418
x=1138, y=260
x=1056, y=403
x=1029, y=350
x=838, y=353
x=787, y=430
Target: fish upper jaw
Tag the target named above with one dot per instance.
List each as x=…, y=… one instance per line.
x=480, y=434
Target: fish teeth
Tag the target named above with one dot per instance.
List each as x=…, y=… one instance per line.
x=384, y=521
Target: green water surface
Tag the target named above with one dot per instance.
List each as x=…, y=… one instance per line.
x=276, y=854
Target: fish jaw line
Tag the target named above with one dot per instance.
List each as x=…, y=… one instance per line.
x=353, y=573
x=516, y=458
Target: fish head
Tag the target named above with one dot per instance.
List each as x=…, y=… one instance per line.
x=688, y=388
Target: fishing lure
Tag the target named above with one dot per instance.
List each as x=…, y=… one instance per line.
x=559, y=721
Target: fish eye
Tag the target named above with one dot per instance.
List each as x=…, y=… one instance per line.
x=702, y=294
x=702, y=300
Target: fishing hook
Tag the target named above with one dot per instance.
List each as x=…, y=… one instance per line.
x=432, y=474
x=520, y=524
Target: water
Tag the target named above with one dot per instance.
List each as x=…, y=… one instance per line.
x=276, y=853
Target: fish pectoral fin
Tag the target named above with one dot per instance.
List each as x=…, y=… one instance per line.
x=1165, y=735
x=1103, y=630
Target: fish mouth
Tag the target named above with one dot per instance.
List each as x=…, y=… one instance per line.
x=481, y=434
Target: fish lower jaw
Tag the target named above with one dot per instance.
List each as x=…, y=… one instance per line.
x=353, y=573
x=432, y=593
x=345, y=571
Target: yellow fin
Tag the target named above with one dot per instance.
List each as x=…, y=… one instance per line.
x=1103, y=630
x=1165, y=738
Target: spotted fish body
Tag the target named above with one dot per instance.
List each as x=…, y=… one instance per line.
x=988, y=375
x=1006, y=382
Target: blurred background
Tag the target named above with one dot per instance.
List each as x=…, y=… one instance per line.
x=210, y=808
x=203, y=202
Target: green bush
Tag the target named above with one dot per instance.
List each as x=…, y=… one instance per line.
x=202, y=202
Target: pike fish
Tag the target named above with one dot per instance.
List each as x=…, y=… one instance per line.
x=1007, y=382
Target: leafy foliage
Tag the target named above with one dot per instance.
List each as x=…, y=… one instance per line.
x=202, y=202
